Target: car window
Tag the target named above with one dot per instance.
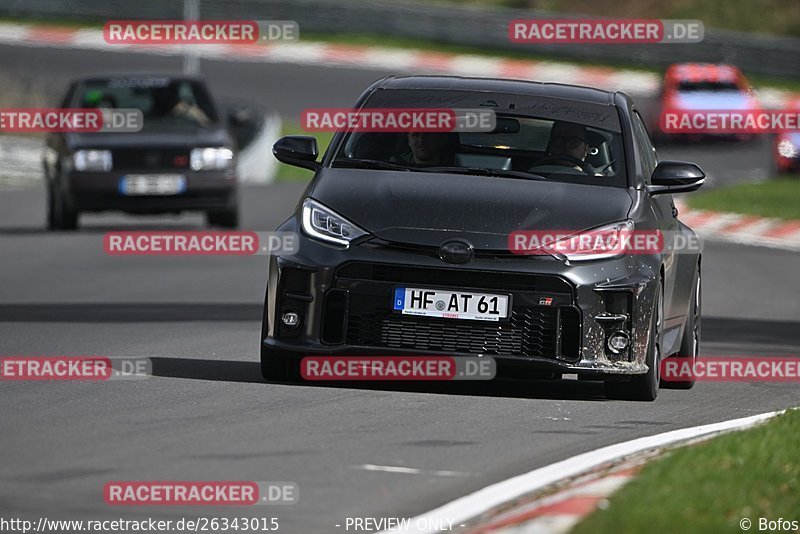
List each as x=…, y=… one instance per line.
x=559, y=142
x=714, y=86
x=646, y=148
x=159, y=99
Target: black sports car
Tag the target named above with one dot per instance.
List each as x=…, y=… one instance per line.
x=184, y=157
x=394, y=225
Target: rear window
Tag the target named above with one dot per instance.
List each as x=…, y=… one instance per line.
x=159, y=99
x=714, y=86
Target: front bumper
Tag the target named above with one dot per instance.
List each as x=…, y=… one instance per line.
x=788, y=164
x=343, y=298
x=99, y=191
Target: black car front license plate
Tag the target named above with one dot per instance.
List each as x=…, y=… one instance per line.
x=451, y=304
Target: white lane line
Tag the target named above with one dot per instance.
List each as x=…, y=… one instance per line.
x=480, y=502
x=408, y=470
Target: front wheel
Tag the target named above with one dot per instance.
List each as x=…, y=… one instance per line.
x=60, y=215
x=644, y=387
x=690, y=343
x=224, y=219
x=277, y=369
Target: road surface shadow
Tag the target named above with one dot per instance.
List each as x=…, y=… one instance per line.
x=103, y=228
x=746, y=335
x=128, y=313
x=250, y=372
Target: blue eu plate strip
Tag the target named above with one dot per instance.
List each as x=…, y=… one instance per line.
x=399, y=298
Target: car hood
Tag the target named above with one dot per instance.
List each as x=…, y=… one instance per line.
x=426, y=209
x=163, y=136
x=709, y=100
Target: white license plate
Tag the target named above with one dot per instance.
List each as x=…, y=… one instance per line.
x=152, y=184
x=451, y=304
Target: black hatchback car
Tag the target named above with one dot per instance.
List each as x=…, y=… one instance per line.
x=388, y=235
x=182, y=159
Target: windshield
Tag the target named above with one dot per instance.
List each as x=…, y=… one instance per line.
x=535, y=138
x=159, y=99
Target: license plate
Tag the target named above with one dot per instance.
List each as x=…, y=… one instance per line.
x=152, y=184
x=451, y=304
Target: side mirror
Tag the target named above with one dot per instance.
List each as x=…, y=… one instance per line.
x=239, y=116
x=297, y=150
x=676, y=177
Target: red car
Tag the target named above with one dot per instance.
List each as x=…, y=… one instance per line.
x=707, y=87
x=787, y=146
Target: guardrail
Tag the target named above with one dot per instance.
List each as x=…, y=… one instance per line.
x=463, y=25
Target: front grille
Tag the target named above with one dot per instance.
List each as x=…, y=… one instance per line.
x=151, y=158
x=448, y=276
x=531, y=330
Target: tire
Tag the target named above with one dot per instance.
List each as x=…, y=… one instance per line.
x=223, y=219
x=60, y=216
x=644, y=387
x=690, y=343
x=277, y=369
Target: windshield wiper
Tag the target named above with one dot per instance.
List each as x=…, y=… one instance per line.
x=369, y=164
x=485, y=171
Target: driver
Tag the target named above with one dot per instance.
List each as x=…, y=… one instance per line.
x=167, y=102
x=566, y=139
x=428, y=149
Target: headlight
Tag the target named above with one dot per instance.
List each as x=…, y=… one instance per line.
x=92, y=160
x=610, y=241
x=210, y=159
x=327, y=225
x=787, y=149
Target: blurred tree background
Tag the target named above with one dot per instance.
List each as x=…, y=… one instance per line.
x=779, y=17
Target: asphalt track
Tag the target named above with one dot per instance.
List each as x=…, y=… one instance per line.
x=206, y=414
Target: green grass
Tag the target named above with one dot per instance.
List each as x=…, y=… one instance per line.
x=764, y=16
x=779, y=197
x=290, y=173
x=777, y=17
x=711, y=486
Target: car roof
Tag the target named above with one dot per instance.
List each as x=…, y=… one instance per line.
x=704, y=72
x=497, y=85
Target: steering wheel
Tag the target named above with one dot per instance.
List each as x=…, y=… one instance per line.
x=606, y=166
x=572, y=160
